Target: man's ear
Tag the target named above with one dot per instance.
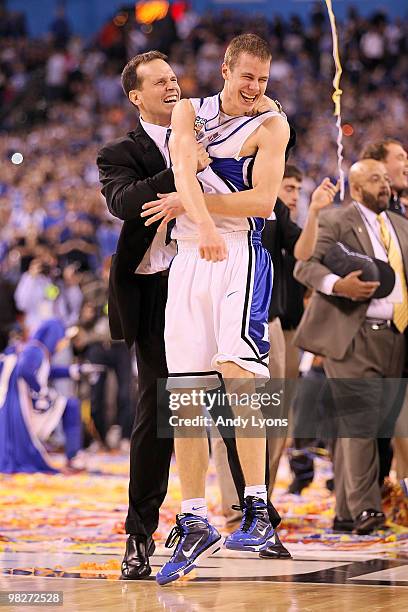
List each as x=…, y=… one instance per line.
x=134, y=97
x=355, y=191
x=225, y=71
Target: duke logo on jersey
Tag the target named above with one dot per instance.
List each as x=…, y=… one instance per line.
x=199, y=124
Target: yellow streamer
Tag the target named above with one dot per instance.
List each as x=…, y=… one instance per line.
x=337, y=94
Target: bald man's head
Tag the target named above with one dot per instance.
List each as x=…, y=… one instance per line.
x=369, y=184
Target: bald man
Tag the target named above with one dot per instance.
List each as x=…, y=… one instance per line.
x=360, y=336
x=395, y=159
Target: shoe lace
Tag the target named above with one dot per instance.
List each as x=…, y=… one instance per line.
x=249, y=515
x=174, y=536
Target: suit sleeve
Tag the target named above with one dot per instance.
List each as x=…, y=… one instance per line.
x=289, y=231
x=312, y=272
x=124, y=189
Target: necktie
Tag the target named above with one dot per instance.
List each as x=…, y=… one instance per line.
x=400, y=316
x=171, y=223
x=166, y=144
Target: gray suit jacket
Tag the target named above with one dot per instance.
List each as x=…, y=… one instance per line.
x=330, y=323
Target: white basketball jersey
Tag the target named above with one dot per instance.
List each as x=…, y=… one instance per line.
x=223, y=137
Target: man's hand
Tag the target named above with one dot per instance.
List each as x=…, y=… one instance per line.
x=211, y=244
x=203, y=159
x=323, y=195
x=352, y=287
x=168, y=207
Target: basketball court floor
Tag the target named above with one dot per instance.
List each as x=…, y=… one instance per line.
x=65, y=534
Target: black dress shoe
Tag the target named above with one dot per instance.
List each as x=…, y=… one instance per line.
x=368, y=521
x=298, y=484
x=275, y=550
x=343, y=525
x=135, y=564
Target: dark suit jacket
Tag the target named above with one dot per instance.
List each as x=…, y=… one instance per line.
x=330, y=323
x=132, y=172
x=279, y=238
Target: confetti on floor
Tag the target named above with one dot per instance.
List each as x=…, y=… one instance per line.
x=84, y=513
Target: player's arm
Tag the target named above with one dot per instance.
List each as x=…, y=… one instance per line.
x=269, y=165
x=322, y=197
x=183, y=150
x=257, y=202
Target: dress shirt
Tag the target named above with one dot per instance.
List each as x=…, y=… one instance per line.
x=159, y=255
x=383, y=308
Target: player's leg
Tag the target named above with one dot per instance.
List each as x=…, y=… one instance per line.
x=190, y=344
x=242, y=357
x=256, y=530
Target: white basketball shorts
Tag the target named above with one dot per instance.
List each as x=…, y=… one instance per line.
x=218, y=312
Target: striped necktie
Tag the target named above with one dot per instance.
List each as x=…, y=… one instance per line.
x=400, y=316
x=171, y=223
x=166, y=143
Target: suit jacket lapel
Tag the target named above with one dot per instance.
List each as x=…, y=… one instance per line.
x=359, y=229
x=400, y=226
x=152, y=158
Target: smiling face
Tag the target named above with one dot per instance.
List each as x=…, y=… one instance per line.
x=245, y=83
x=158, y=92
x=396, y=163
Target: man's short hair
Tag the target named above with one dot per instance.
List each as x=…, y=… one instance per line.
x=247, y=43
x=292, y=171
x=130, y=79
x=378, y=150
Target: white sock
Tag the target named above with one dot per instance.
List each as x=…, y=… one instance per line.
x=256, y=491
x=196, y=506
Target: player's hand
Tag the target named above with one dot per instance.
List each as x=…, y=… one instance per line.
x=203, y=159
x=211, y=244
x=166, y=208
x=44, y=399
x=323, y=195
x=262, y=105
x=91, y=371
x=352, y=287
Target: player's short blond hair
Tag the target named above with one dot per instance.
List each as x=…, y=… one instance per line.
x=247, y=43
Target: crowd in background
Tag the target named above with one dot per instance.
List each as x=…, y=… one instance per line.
x=61, y=99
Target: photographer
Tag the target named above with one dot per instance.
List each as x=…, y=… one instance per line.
x=92, y=343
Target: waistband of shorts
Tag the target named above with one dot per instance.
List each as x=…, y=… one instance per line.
x=240, y=237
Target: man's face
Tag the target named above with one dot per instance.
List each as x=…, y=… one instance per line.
x=246, y=82
x=396, y=163
x=289, y=193
x=374, y=186
x=159, y=91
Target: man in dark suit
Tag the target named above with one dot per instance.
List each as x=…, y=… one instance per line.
x=361, y=337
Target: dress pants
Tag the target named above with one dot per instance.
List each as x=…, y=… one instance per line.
x=362, y=401
x=150, y=456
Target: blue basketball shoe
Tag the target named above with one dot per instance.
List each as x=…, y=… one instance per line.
x=256, y=531
x=196, y=539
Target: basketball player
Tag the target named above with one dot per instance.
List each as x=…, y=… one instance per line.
x=220, y=284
